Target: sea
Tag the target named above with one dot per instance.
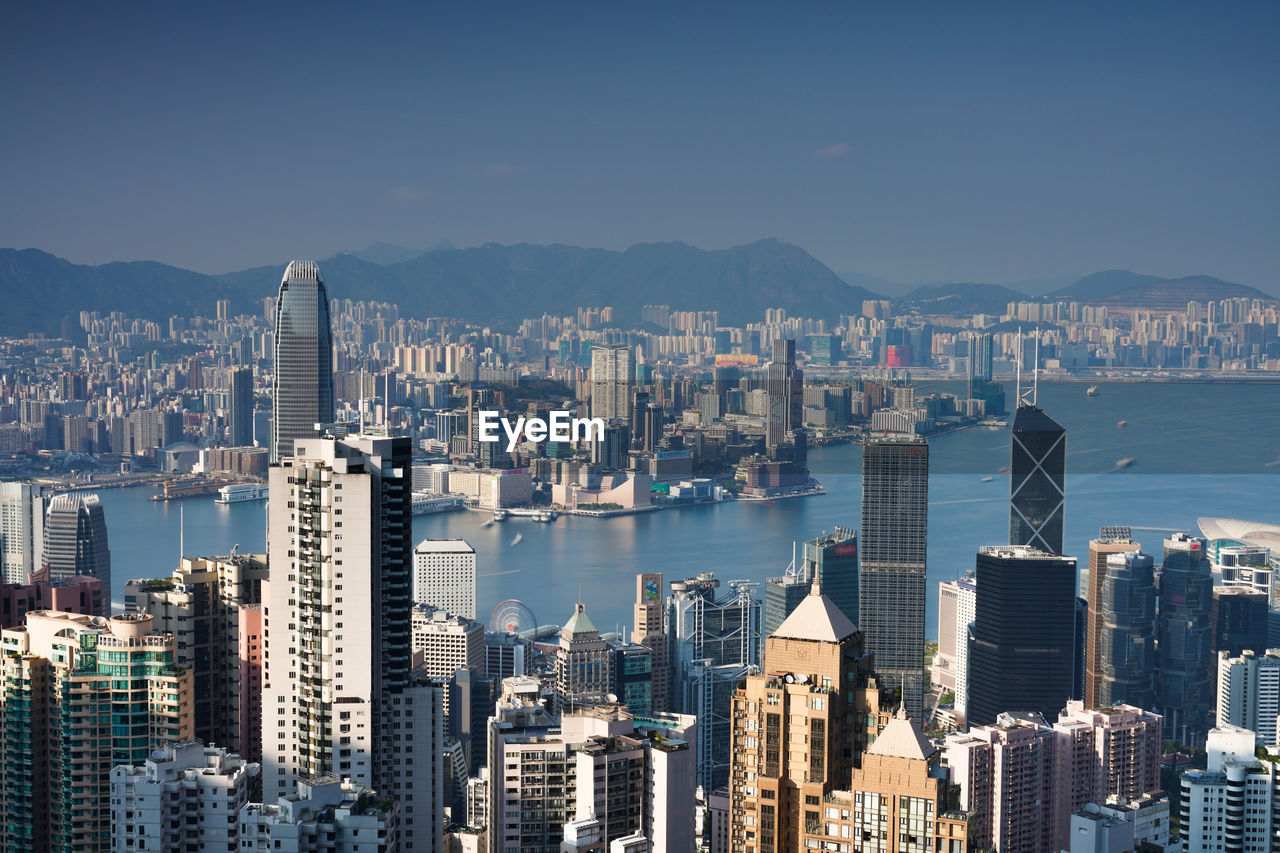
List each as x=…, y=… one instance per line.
x=1190, y=450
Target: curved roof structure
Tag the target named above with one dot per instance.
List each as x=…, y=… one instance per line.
x=1256, y=533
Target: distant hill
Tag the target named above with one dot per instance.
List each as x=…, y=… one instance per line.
x=389, y=253
x=1123, y=288
x=487, y=284
x=960, y=298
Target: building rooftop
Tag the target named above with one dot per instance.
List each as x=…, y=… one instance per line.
x=902, y=738
x=816, y=618
x=1259, y=534
x=444, y=546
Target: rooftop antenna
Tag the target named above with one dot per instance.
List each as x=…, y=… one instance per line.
x=1027, y=398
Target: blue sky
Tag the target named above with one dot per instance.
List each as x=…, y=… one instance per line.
x=916, y=142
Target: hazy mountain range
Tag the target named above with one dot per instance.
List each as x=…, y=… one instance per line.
x=497, y=284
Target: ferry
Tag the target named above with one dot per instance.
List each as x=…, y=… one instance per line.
x=242, y=492
x=427, y=504
x=1091, y=391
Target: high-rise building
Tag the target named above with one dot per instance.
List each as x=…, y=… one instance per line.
x=63, y=667
x=584, y=665
x=240, y=408
x=185, y=796
x=957, y=604
x=782, y=595
x=895, y=507
x=22, y=514
x=834, y=560
x=799, y=731
x=1235, y=784
x=75, y=539
x=200, y=606
x=505, y=655
x=1022, y=779
x=1185, y=639
x=1249, y=692
x=1127, y=644
x=1239, y=620
x=1111, y=540
x=714, y=641
x=338, y=698
x=1022, y=642
x=1037, y=480
x=650, y=632
x=611, y=382
x=79, y=594
x=784, y=393
x=444, y=576
x=303, y=369
x=325, y=815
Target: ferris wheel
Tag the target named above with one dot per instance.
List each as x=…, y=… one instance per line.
x=511, y=617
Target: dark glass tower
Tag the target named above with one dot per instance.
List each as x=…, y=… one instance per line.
x=895, y=505
x=240, y=420
x=1038, y=480
x=303, y=359
x=1185, y=639
x=1239, y=620
x=834, y=558
x=1022, y=642
x=75, y=539
x=1127, y=650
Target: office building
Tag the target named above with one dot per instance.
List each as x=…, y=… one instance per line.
x=240, y=408
x=584, y=665
x=22, y=514
x=781, y=596
x=63, y=667
x=895, y=505
x=611, y=382
x=833, y=559
x=1022, y=779
x=200, y=606
x=650, y=632
x=339, y=699
x=1122, y=825
x=633, y=677
x=1185, y=639
x=444, y=643
x=1239, y=620
x=1230, y=805
x=799, y=730
x=1021, y=644
x=957, y=603
x=504, y=655
x=784, y=394
x=325, y=815
x=1249, y=692
x=75, y=539
x=185, y=796
x=302, y=373
x=714, y=642
x=1037, y=480
x=1127, y=644
x=1111, y=540
x=444, y=576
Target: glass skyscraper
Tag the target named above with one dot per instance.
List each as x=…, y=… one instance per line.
x=303, y=366
x=1127, y=649
x=1038, y=480
x=75, y=539
x=1185, y=634
x=895, y=505
x=1022, y=641
x=834, y=557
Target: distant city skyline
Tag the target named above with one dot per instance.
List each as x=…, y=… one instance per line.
x=998, y=144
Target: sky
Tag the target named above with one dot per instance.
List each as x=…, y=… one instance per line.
x=912, y=142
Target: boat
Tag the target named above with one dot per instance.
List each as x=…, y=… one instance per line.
x=499, y=515
x=987, y=479
x=241, y=492
x=1091, y=391
x=1121, y=424
x=516, y=540
x=1125, y=462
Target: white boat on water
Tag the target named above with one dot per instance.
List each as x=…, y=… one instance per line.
x=1091, y=391
x=242, y=492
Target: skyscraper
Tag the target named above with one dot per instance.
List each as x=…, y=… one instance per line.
x=1185, y=639
x=611, y=381
x=1127, y=644
x=650, y=631
x=834, y=558
x=957, y=602
x=75, y=539
x=240, y=408
x=1023, y=636
x=303, y=369
x=1239, y=620
x=799, y=731
x=895, y=505
x=1111, y=540
x=444, y=575
x=22, y=512
x=1249, y=693
x=584, y=665
x=338, y=698
x=1037, y=480
x=784, y=393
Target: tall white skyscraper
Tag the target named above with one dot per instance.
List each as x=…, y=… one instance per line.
x=22, y=509
x=444, y=576
x=338, y=699
x=957, y=601
x=611, y=380
x=1249, y=692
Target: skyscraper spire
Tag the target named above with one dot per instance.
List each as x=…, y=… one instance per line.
x=303, y=369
